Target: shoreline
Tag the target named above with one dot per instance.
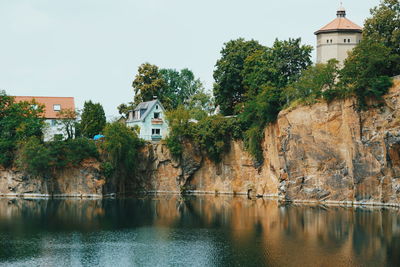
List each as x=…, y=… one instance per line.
x=336, y=203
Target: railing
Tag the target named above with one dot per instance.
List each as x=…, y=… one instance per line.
x=152, y=137
x=157, y=121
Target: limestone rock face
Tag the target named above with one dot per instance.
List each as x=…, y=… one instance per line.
x=324, y=152
x=84, y=181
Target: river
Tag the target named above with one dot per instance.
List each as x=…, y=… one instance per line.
x=194, y=231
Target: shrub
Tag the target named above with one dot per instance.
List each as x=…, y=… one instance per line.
x=121, y=148
x=34, y=157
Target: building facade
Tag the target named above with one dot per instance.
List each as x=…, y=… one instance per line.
x=150, y=118
x=337, y=38
x=52, y=107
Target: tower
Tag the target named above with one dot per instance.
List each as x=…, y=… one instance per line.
x=337, y=38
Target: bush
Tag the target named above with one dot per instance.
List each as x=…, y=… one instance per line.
x=121, y=148
x=34, y=157
x=213, y=135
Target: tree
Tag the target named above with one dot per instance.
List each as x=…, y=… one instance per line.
x=318, y=81
x=290, y=59
x=228, y=87
x=93, y=119
x=18, y=122
x=149, y=83
x=121, y=149
x=67, y=118
x=367, y=70
x=180, y=86
x=384, y=25
x=124, y=109
x=277, y=66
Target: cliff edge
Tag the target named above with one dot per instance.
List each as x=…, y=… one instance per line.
x=324, y=152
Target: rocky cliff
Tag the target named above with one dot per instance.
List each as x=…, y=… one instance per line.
x=325, y=152
x=83, y=181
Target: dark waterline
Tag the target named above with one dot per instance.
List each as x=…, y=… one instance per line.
x=194, y=231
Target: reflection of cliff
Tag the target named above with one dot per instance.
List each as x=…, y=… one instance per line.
x=237, y=229
x=324, y=152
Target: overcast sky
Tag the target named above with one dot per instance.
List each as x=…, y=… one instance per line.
x=91, y=49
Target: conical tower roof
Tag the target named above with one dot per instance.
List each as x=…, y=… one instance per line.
x=340, y=24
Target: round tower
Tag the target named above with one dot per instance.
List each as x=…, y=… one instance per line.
x=337, y=38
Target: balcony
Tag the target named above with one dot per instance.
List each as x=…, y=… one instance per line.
x=156, y=137
x=157, y=121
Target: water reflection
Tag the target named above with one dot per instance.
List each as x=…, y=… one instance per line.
x=195, y=231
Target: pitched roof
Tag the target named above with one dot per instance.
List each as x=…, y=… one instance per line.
x=340, y=24
x=147, y=106
x=49, y=102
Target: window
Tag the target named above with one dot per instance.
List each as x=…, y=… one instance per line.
x=344, y=40
x=57, y=107
x=327, y=41
x=156, y=115
x=348, y=40
x=155, y=131
x=331, y=40
x=34, y=107
x=156, y=106
x=53, y=122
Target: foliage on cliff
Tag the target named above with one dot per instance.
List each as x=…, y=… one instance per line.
x=212, y=134
x=39, y=158
x=120, y=149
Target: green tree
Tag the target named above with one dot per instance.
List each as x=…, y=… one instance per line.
x=318, y=81
x=148, y=83
x=34, y=157
x=277, y=66
x=18, y=122
x=124, y=109
x=384, y=25
x=121, y=149
x=228, y=87
x=367, y=70
x=180, y=129
x=93, y=119
x=180, y=86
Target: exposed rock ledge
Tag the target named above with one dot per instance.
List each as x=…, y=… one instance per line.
x=321, y=153
x=84, y=182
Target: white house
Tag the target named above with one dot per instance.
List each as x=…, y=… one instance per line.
x=150, y=118
x=52, y=107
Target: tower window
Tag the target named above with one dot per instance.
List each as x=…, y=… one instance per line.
x=327, y=41
x=331, y=40
x=344, y=40
x=348, y=40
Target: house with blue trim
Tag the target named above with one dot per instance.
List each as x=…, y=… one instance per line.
x=150, y=118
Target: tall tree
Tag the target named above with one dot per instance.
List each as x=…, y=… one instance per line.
x=180, y=86
x=93, y=119
x=228, y=86
x=384, y=25
x=148, y=83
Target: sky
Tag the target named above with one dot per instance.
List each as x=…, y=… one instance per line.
x=91, y=49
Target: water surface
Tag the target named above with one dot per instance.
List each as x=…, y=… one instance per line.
x=194, y=231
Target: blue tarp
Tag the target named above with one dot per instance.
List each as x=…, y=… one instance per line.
x=98, y=136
